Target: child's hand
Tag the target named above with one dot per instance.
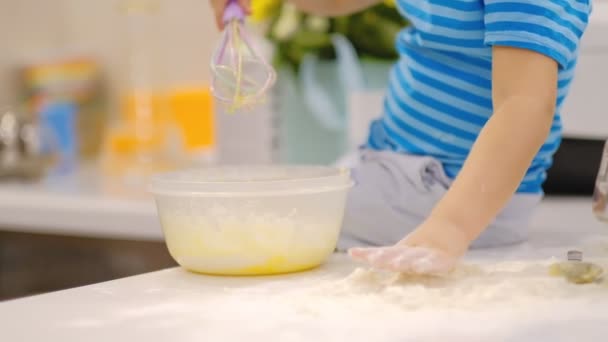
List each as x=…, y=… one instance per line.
x=434, y=248
x=220, y=5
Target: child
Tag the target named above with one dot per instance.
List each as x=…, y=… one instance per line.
x=469, y=127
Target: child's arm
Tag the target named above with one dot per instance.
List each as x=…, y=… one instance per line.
x=333, y=7
x=530, y=41
x=524, y=90
x=319, y=7
x=524, y=86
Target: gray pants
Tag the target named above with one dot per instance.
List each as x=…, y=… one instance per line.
x=395, y=192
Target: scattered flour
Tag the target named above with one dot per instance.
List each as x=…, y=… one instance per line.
x=470, y=287
x=484, y=302
x=492, y=301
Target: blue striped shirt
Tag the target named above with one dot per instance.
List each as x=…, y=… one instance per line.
x=440, y=92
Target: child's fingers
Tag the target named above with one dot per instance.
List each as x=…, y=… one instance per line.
x=395, y=258
x=219, y=23
x=434, y=263
x=218, y=11
x=219, y=7
x=406, y=259
x=369, y=255
x=358, y=253
x=245, y=5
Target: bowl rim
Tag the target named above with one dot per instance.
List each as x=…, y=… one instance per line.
x=241, y=194
x=337, y=171
x=333, y=179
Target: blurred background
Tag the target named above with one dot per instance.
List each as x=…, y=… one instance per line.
x=96, y=96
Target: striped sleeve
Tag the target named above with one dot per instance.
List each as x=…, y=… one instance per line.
x=550, y=27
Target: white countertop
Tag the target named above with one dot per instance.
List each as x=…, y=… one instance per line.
x=174, y=305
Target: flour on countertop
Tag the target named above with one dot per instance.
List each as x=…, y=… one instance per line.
x=489, y=301
x=474, y=303
x=470, y=287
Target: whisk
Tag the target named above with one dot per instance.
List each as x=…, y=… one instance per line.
x=241, y=76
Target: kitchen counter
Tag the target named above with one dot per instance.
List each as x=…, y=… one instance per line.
x=174, y=305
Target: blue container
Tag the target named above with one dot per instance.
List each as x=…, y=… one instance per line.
x=58, y=133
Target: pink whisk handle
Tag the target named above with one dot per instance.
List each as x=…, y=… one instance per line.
x=233, y=11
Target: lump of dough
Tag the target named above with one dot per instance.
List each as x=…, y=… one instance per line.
x=577, y=272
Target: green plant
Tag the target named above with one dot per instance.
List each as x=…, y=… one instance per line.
x=295, y=34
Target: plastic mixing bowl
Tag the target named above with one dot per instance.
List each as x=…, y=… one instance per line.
x=252, y=220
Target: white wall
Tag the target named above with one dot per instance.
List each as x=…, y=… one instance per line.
x=186, y=39
x=28, y=29
x=33, y=29
x=584, y=112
